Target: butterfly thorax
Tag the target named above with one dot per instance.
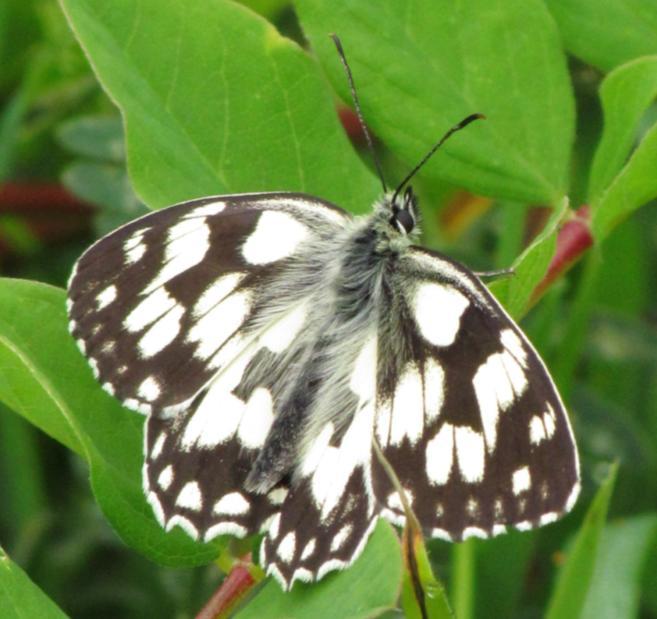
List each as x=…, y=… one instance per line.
x=346, y=291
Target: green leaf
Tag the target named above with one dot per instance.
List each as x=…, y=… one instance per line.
x=575, y=577
x=634, y=186
x=46, y=379
x=624, y=548
x=435, y=599
x=369, y=587
x=107, y=186
x=216, y=101
x=625, y=93
x=423, y=65
x=530, y=267
x=97, y=137
x=607, y=34
x=20, y=597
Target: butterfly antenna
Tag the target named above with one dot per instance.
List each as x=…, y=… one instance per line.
x=354, y=98
x=464, y=123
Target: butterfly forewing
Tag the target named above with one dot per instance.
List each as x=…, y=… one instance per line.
x=155, y=305
x=473, y=426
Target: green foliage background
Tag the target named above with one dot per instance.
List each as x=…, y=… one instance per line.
x=136, y=104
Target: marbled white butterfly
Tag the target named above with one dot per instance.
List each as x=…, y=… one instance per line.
x=271, y=338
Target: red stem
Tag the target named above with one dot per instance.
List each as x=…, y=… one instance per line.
x=573, y=240
x=234, y=587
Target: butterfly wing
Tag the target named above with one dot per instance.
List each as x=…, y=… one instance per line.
x=467, y=414
x=153, y=304
x=174, y=311
x=464, y=411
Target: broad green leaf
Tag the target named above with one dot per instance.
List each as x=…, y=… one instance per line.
x=625, y=93
x=634, y=186
x=422, y=65
x=369, y=587
x=45, y=379
x=216, y=101
x=615, y=589
x=575, y=577
x=530, y=267
x=607, y=34
x=20, y=598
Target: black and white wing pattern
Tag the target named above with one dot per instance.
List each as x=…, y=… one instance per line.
x=466, y=412
x=172, y=313
x=271, y=338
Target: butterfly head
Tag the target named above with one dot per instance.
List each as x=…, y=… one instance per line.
x=403, y=211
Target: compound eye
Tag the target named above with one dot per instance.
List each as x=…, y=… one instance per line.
x=404, y=221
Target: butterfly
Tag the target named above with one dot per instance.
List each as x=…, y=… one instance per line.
x=273, y=341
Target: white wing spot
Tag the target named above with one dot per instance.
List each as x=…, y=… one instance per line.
x=383, y=416
x=165, y=478
x=394, y=501
x=438, y=310
x=106, y=297
x=407, y=408
x=217, y=325
x=341, y=537
x=469, y=532
x=187, y=243
x=155, y=305
x=214, y=208
x=216, y=419
x=536, y=430
x=184, y=523
x=276, y=236
x=287, y=547
x=308, y=549
x=470, y=453
x=257, y=419
x=216, y=292
x=190, y=497
x=440, y=455
x=109, y=388
x=277, y=495
x=434, y=390
x=232, y=504
x=225, y=528
x=108, y=347
x=162, y=333
x=550, y=421
x=157, y=446
x=498, y=382
x=514, y=345
x=318, y=447
x=472, y=507
x=149, y=389
x=134, y=247
x=548, y=518
x=274, y=526
x=521, y=480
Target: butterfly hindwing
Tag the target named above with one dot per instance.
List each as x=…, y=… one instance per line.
x=472, y=423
